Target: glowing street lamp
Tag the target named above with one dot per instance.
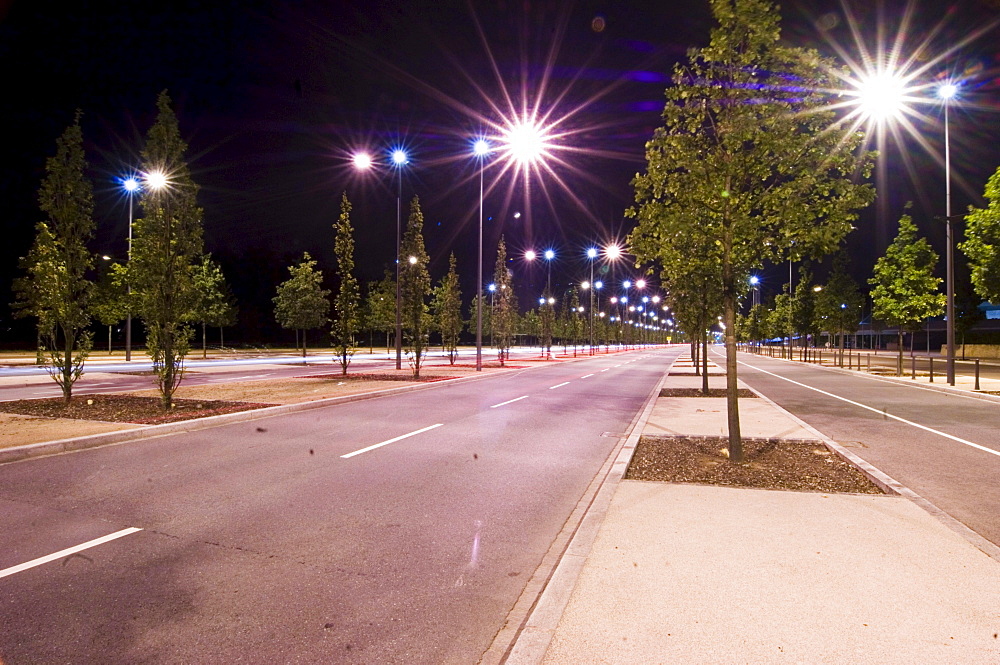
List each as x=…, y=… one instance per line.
x=549, y=256
x=946, y=93
x=480, y=148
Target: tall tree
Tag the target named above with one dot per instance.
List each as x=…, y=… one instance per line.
x=302, y=303
x=414, y=287
x=982, y=243
x=757, y=168
x=447, y=308
x=504, y=314
x=546, y=321
x=346, y=302
x=213, y=302
x=840, y=301
x=56, y=289
x=905, y=289
x=380, y=306
x=109, y=302
x=167, y=242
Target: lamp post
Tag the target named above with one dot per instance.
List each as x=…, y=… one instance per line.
x=591, y=254
x=549, y=255
x=399, y=159
x=131, y=185
x=947, y=92
x=480, y=149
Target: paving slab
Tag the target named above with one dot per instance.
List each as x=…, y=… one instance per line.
x=706, y=416
x=703, y=574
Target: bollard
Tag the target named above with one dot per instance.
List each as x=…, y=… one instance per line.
x=930, y=359
x=913, y=368
x=869, y=363
x=977, y=374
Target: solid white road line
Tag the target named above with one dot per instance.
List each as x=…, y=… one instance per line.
x=66, y=552
x=510, y=401
x=558, y=385
x=880, y=411
x=386, y=443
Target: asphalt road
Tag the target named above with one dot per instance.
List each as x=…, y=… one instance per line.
x=396, y=530
x=943, y=446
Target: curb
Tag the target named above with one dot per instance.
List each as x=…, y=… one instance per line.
x=535, y=632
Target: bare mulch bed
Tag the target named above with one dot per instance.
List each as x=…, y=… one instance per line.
x=696, y=392
x=124, y=408
x=426, y=378
x=771, y=464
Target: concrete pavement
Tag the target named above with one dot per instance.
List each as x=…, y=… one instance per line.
x=668, y=573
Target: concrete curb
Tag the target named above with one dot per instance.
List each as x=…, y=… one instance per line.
x=535, y=633
x=46, y=448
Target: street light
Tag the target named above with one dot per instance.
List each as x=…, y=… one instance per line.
x=549, y=255
x=592, y=254
x=131, y=186
x=947, y=92
x=480, y=149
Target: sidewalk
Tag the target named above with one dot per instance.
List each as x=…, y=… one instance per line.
x=675, y=573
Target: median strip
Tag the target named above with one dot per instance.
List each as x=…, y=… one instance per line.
x=386, y=443
x=510, y=401
x=67, y=552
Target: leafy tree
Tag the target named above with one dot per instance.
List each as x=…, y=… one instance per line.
x=213, y=304
x=905, y=289
x=345, y=303
x=380, y=306
x=447, y=307
x=755, y=167
x=982, y=244
x=414, y=287
x=56, y=290
x=167, y=242
x=546, y=320
x=574, y=327
x=505, y=305
x=804, y=307
x=109, y=303
x=839, y=303
x=302, y=303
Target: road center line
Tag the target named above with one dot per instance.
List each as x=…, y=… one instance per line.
x=66, y=552
x=510, y=401
x=558, y=385
x=879, y=411
x=605, y=369
x=386, y=443
x=586, y=376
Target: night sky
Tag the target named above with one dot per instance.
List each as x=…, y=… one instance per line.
x=273, y=98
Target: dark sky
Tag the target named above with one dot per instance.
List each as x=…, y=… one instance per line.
x=274, y=96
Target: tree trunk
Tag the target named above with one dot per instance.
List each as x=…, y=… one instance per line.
x=222, y=344
x=109, y=340
x=899, y=353
x=303, y=343
x=732, y=388
x=704, y=362
x=204, y=341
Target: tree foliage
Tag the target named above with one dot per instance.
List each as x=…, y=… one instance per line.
x=905, y=290
x=213, y=303
x=302, y=303
x=504, y=314
x=982, y=244
x=839, y=304
x=345, y=303
x=415, y=286
x=380, y=305
x=56, y=290
x=167, y=244
x=750, y=164
x=447, y=308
